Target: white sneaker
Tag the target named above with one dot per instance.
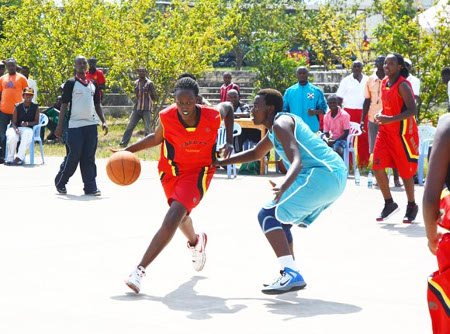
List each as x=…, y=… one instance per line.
x=290, y=280
x=198, y=252
x=134, y=281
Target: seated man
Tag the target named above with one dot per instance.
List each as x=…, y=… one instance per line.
x=53, y=117
x=25, y=116
x=336, y=126
x=242, y=110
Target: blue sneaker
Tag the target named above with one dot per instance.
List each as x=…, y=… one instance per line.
x=290, y=280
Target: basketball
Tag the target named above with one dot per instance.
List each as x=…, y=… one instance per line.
x=123, y=168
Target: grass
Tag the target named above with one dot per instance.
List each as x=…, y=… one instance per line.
x=116, y=127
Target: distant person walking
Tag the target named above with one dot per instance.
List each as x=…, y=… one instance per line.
x=85, y=110
x=145, y=92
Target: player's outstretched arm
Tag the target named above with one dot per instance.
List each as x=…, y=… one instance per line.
x=153, y=139
x=437, y=171
x=256, y=153
x=227, y=114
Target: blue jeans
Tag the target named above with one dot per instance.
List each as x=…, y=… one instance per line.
x=340, y=146
x=81, y=146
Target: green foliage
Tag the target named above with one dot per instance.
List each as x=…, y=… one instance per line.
x=429, y=51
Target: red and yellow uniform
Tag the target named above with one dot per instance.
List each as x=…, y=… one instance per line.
x=397, y=143
x=187, y=154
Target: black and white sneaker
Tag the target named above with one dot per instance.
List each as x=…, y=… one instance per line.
x=411, y=213
x=96, y=192
x=388, y=211
x=62, y=190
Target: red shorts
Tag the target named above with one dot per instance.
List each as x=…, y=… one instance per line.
x=396, y=151
x=188, y=188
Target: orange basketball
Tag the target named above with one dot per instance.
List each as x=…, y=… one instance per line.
x=123, y=168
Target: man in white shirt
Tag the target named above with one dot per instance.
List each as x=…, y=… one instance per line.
x=31, y=82
x=414, y=81
x=351, y=95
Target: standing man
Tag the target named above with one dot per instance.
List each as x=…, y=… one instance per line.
x=227, y=85
x=305, y=100
x=31, y=82
x=81, y=145
x=145, y=94
x=12, y=85
x=97, y=75
x=413, y=80
x=351, y=95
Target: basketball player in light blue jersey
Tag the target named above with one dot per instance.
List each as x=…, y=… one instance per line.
x=316, y=177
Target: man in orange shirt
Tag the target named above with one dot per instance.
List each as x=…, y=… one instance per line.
x=11, y=86
x=95, y=74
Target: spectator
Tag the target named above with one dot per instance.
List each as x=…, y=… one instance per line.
x=12, y=85
x=85, y=109
x=414, y=81
x=305, y=100
x=445, y=75
x=351, y=95
x=227, y=85
x=31, y=82
x=397, y=142
x=145, y=94
x=25, y=116
x=53, y=118
x=336, y=125
x=97, y=75
x=242, y=110
x=2, y=68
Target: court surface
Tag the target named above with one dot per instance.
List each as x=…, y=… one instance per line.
x=64, y=260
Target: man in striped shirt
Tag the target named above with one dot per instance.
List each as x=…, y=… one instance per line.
x=145, y=94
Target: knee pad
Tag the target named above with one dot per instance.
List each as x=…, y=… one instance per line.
x=267, y=220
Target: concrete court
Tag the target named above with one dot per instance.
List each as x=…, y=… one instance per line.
x=64, y=259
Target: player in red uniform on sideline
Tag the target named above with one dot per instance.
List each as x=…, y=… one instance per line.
x=397, y=143
x=187, y=134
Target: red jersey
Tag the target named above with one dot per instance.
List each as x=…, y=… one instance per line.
x=98, y=77
x=188, y=148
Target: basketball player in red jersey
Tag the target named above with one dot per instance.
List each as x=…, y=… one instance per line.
x=187, y=134
x=397, y=143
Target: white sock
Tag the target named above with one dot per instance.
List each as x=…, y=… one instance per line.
x=288, y=261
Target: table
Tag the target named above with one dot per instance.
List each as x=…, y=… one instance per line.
x=247, y=123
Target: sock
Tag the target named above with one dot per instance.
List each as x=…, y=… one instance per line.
x=413, y=203
x=287, y=261
x=388, y=201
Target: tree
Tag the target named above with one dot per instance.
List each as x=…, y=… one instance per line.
x=400, y=32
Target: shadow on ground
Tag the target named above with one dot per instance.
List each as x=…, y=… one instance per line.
x=202, y=307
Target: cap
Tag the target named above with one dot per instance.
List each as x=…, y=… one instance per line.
x=28, y=90
x=408, y=61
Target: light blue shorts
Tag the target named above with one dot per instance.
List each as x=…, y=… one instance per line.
x=313, y=191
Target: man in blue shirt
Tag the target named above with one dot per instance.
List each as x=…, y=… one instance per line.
x=305, y=100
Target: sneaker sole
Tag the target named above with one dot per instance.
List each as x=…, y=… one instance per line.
x=393, y=212
x=281, y=290
x=132, y=286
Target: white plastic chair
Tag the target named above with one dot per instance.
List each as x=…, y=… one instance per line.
x=222, y=139
x=426, y=136
x=43, y=121
x=355, y=131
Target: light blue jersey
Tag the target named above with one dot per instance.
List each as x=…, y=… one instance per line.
x=320, y=182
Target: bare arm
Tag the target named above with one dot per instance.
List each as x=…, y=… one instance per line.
x=227, y=114
x=365, y=110
x=62, y=116
x=153, y=139
x=437, y=171
x=14, y=119
x=256, y=153
x=99, y=111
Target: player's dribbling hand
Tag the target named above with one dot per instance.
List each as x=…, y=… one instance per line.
x=226, y=150
x=277, y=191
x=114, y=150
x=382, y=119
